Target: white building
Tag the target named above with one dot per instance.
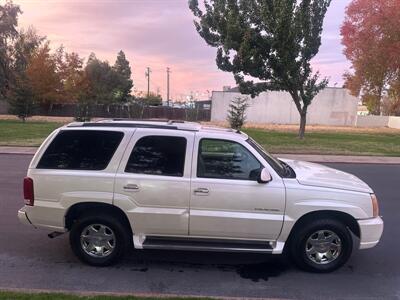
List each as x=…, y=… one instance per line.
x=332, y=106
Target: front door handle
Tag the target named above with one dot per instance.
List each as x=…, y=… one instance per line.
x=201, y=191
x=131, y=187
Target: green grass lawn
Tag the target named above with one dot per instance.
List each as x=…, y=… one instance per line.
x=58, y=296
x=32, y=133
x=17, y=133
x=340, y=143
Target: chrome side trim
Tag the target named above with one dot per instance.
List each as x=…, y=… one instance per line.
x=205, y=248
x=200, y=244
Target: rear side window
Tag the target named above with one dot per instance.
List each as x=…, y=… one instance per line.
x=81, y=150
x=158, y=155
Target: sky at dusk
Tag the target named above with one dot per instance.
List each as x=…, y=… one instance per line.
x=157, y=34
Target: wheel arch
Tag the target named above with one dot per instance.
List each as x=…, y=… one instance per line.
x=79, y=209
x=348, y=220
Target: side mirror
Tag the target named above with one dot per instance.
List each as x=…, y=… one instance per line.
x=264, y=176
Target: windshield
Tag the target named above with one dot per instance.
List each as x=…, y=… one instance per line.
x=279, y=166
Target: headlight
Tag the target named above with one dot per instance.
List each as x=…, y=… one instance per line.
x=375, y=206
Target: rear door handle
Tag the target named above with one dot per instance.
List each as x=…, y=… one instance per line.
x=131, y=187
x=201, y=191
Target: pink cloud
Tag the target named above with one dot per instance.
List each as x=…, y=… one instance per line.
x=157, y=34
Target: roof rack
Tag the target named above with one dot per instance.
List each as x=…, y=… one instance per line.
x=133, y=120
x=129, y=123
x=152, y=124
x=169, y=121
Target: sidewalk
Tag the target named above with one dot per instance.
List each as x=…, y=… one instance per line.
x=17, y=150
x=343, y=159
x=306, y=157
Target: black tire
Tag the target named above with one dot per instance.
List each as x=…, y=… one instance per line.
x=120, y=242
x=299, y=240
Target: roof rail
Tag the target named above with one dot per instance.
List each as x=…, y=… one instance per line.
x=134, y=120
x=156, y=124
x=131, y=125
x=169, y=121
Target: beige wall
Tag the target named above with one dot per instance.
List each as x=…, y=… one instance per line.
x=378, y=121
x=372, y=121
x=332, y=106
x=394, y=122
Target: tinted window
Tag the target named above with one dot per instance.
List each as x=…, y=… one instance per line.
x=158, y=155
x=272, y=161
x=226, y=160
x=81, y=150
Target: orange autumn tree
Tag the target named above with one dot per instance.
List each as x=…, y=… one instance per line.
x=71, y=73
x=44, y=79
x=371, y=37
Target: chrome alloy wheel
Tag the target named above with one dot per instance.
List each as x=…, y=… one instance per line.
x=323, y=247
x=98, y=240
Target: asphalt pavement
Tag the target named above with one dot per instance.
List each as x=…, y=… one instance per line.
x=30, y=260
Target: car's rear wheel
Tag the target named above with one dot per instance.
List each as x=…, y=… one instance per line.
x=99, y=240
x=321, y=246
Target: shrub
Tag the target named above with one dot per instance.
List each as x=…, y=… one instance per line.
x=237, y=112
x=20, y=100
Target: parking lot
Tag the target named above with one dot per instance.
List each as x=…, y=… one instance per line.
x=30, y=260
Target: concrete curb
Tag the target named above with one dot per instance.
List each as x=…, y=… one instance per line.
x=123, y=294
x=17, y=150
x=384, y=160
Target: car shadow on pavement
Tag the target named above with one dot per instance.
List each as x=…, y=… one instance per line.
x=255, y=267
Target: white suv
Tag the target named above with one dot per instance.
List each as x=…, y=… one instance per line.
x=183, y=186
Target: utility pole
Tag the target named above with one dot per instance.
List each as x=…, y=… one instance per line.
x=147, y=74
x=168, y=72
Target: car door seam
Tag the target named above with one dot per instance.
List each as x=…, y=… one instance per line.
x=119, y=164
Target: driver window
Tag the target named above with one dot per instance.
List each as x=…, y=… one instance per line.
x=224, y=159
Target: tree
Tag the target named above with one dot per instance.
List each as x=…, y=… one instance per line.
x=8, y=32
x=99, y=83
x=103, y=81
x=109, y=85
x=391, y=101
x=272, y=41
x=70, y=70
x=123, y=71
x=20, y=96
x=237, y=112
x=85, y=98
x=26, y=44
x=371, y=37
x=152, y=99
x=43, y=77
x=22, y=102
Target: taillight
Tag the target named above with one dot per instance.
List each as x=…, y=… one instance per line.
x=28, y=191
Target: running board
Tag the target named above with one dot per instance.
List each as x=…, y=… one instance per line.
x=196, y=244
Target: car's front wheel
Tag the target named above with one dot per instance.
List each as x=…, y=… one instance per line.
x=321, y=246
x=99, y=240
